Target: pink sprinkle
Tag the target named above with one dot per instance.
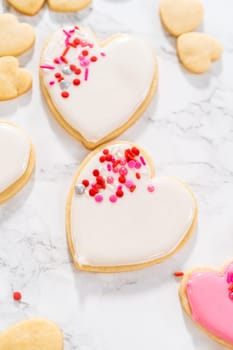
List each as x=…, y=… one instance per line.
x=123, y=162
x=113, y=198
x=59, y=59
x=103, y=54
x=84, y=43
x=90, y=45
x=138, y=165
x=110, y=179
x=71, y=31
x=230, y=277
x=81, y=58
x=66, y=33
x=99, y=198
x=129, y=183
x=109, y=167
x=151, y=188
x=85, y=63
x=47, y=67
x=119, y=187
x=67, y=41
x=142, y=160
x=231, y=295
x=123, y=171
x=131, y=164
x=115, y=170
x=52, y=82
x=113, y=160
x=86, y=74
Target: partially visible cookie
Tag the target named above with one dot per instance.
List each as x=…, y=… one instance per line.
x=17, y=160
x=14, y=81
x=207, y=297
x=68, y=5
x=181, y=16
x=35, y=334
x=27, y=7
x=197, y=51
x=15, y=37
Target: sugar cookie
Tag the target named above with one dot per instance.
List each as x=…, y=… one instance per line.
x=15, y=37
x=96, y=91
x=68, y=5
x=120, y=216
x=27, y=7
x=197, y=51
x=181, y=16
x=14, y=81
x=34, y=334
x=207, y=297
x=17, y=160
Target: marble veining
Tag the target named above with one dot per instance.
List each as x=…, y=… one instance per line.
x=188, y=130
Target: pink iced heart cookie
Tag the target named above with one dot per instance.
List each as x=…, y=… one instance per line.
x=97, y=90
x=120, y=216
x=207, y=297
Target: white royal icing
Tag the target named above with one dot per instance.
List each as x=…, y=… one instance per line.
x=140, y=227
x=117, y=84
x=15, y=150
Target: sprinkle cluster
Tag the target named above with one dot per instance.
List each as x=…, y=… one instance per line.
x=230, y=282
x=119, y=174
x=68, y=74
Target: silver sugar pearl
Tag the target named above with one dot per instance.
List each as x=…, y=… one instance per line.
x=64, y=84
x=66, y=70
x=79, y=189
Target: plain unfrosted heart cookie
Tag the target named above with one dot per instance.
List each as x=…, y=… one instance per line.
x=68, y=5
x=14, y=81
x=37, y=334
x=27, y=7
x=197, y=51
x=120, y=216
x=97, y=90
x=181, y=16
x=207, y=297
x=17, y=160
x=15, y=37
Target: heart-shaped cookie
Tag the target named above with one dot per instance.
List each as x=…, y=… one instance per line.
x=32, y=335
x=27, y=7
x=15, y=37
x=181, y=16
x=197, y=51
x=14, y=81
x=16, y=158
x=207, y=297
x=68, y=5
x=96, y=91
x=120, y=216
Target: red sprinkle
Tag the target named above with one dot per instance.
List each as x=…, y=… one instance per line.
x=135, y=151
x=76, y=41
x=96, y=172
x=85, y=183
x=119, y=193
x=65, y=94
x=93, y=192
x=138, y=176
x=102, y=159
x=73, y=67
x=57, y=75
x=85, y=53
x=178, y=274
x=64, y=59
x=66, y=51
x=94, y=59
x=122, y=179
x=17, y=296
x=56, y=60
x=132, y=188
x=76, y=82
x=105, y=151
x=77, y=71
x=108, y=157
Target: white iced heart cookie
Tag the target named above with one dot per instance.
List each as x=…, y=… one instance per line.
x=34, y=334
x=120, y=216
x=16, y=158
x=197, y=51
x=96, y=91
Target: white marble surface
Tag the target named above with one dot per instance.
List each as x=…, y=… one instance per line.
x=189, y=133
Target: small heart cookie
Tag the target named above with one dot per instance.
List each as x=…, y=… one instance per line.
x=197, y=51
x=96, y=91
x=32, y=335
x=181, y=16
x=68, y=5
x=27, y=7
x=207, y=297
x=15, y=38
x=17, y=160
x=14, y=81
x=120, y=216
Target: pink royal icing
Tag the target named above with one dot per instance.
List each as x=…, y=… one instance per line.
x=210, y=303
